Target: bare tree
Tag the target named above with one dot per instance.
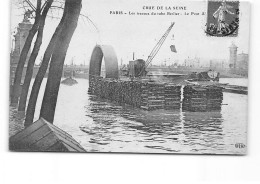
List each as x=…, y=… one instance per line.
x=45, y=62
x=24, y=53
x=34, y=54
x=30, y=8
x=41, y=72
x=57, y=61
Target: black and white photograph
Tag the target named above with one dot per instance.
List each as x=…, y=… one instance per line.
x=129, y=91
x=129, y=77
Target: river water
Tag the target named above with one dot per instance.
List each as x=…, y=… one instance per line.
x=113, y=128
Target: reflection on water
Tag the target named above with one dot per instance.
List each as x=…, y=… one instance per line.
x=235, y=81
x=102, y=126
x=156, y=131
x=204, y=131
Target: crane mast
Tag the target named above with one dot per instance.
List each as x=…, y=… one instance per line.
x=156, y=48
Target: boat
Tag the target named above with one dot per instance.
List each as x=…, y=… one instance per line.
x=209, y=75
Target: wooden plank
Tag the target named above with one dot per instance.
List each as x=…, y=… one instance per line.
x=69, y=138
x=43, y=136
x=20, y=135
x=35, y=135
x=57, y=146
x=45, y=143
x=70, y=143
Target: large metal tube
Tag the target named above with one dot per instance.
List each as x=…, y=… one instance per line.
x=110, y=59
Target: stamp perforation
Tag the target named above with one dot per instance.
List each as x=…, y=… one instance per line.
x=225, y=21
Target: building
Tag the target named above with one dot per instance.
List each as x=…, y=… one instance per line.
x=192, y=63
x=238, y=63
x=242, y=61
x=218, y=64
x=233, y=56
x=19, y=41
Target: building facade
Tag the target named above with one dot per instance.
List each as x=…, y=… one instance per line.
x=218, y=64
x=19, y=41
x=233, y=56
x=242, y=61
x=238, y=63
x=192, y=63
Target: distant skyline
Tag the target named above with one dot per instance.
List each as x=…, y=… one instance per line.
x=139, y=33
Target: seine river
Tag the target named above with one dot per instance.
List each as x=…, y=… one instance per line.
x=113, y=128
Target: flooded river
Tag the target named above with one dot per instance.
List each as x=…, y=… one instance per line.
x=109, y=127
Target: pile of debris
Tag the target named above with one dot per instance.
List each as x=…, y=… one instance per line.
x=94, y=82
x=214, y=97
x=172, y=96
x=202, y=98
x=153, y=96
x=141, y=94
x=122, y=92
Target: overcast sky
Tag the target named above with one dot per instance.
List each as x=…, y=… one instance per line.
x=140, y=33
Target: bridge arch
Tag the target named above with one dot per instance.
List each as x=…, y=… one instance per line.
x=110, y=59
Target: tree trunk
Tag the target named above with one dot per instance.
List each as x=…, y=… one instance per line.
x=41, y=72
x=34, y=54
x=57, y=61
x=23, y=55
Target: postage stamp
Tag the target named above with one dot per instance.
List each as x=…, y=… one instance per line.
x=223, y=18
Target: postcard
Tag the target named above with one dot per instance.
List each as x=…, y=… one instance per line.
x=133, y=76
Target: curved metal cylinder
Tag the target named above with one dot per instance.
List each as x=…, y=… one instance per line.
x=110, y=59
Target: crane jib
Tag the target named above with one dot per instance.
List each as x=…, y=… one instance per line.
x=157, y=48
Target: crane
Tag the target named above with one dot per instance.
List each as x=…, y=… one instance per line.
x=156, y=48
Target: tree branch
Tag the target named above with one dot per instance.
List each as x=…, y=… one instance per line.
x=82, y=16
x=38, y=9
x=30, y=4
x=44, y=4
x=90, y=21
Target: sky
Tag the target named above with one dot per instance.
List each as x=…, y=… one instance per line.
x=140, y=33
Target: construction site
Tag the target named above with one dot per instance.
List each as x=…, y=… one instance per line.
x=195, y=92
x=123, y=96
